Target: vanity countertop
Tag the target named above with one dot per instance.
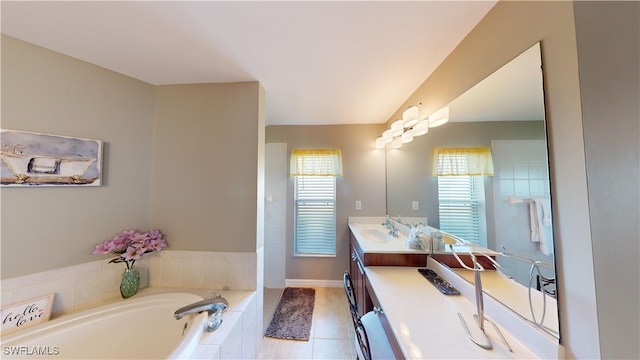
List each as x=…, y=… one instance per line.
x=516, y=296
x=425, y=322
x=375, y=238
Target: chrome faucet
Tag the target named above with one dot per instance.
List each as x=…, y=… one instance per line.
x=214, y=306
x=394, y=230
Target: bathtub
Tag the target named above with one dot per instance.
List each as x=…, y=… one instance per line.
x=137, y=328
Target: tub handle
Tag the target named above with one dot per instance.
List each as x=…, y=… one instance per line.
x=215, y=321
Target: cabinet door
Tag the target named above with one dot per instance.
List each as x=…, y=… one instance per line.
x=357, y=277
x=375, y=306
x=364, y=300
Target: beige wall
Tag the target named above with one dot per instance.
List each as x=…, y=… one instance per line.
x=169, y=161
x=608, y=38
x=206, y=156
x=363, y=179
x=47, y=92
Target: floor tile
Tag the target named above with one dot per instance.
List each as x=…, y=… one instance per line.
x=331, y=331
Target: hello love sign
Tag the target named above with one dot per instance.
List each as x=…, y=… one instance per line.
x=26, y=313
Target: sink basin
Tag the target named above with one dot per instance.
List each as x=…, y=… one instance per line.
x=376, y=235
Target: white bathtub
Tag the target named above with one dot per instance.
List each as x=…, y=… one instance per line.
x=137, y=328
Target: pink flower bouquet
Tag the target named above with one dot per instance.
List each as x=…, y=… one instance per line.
x=130, y=245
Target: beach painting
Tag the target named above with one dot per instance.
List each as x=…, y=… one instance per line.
x=33, y=159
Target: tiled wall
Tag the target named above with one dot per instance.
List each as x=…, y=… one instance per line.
x=521, y=170
x=98, y=281
x=237, y=338
x=75, y=286
x=203, y=269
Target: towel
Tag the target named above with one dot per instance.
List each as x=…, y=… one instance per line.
x=539, y=217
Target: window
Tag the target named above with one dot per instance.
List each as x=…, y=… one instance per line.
x=315, y=215
x=461, y=205
x=315, y=174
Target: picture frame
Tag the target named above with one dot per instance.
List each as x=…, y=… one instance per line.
x=34, y=159
x=26, y=313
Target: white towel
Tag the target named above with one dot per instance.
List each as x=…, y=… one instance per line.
x=539, y=217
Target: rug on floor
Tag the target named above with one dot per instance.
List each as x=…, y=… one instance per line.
x=294, y=314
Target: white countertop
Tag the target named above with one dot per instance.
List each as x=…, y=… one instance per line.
x=425, y=322
x=516, y=296
x=375, y=238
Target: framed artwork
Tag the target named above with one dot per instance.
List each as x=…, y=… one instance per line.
x=26, y=313
x=32, y=159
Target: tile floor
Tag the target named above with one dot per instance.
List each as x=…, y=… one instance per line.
x=331, y=331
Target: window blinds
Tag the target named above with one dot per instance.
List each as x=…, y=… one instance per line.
x=461, y=206
x=315, y=215
x=315, y=174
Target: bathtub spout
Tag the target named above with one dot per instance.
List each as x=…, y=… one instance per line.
x=212, y=306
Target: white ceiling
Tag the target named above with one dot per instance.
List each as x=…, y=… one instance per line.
x=325, y=62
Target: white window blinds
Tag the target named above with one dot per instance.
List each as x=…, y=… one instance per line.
x=315, y=174
x=315, y=215
x=461, y=191
x=461, y=207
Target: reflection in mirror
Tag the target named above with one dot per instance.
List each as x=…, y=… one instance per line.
x=509, y=212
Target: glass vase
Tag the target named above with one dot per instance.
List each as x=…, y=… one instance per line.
x=130, y=282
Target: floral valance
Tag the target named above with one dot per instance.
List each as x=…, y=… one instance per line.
x=316, y=162
x=462, y=161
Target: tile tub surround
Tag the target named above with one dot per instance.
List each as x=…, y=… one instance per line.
x=98, y=282
x=76, y=287
x=237, y=338
x=203, y=269
x=80, y=286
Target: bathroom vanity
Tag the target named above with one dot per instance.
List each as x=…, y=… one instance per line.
x=419, y=320
x=371, y=245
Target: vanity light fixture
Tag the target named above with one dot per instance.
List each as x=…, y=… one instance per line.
x=403, y=130
x=411, y=116
x=439, y=117
x=397, y=128
x=407, y=136
x=421, y=128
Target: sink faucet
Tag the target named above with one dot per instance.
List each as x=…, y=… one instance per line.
x=214, y=306
x=394, y=230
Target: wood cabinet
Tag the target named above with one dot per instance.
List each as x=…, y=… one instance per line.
x=360, y=259
x=397, y=350
x=356, y=269
x=365, y=297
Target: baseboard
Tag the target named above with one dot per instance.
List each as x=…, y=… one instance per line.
x=313, y=283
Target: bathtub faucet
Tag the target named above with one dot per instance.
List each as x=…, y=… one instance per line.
x=214, y=306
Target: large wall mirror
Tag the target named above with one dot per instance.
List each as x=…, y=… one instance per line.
x=513, y=216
